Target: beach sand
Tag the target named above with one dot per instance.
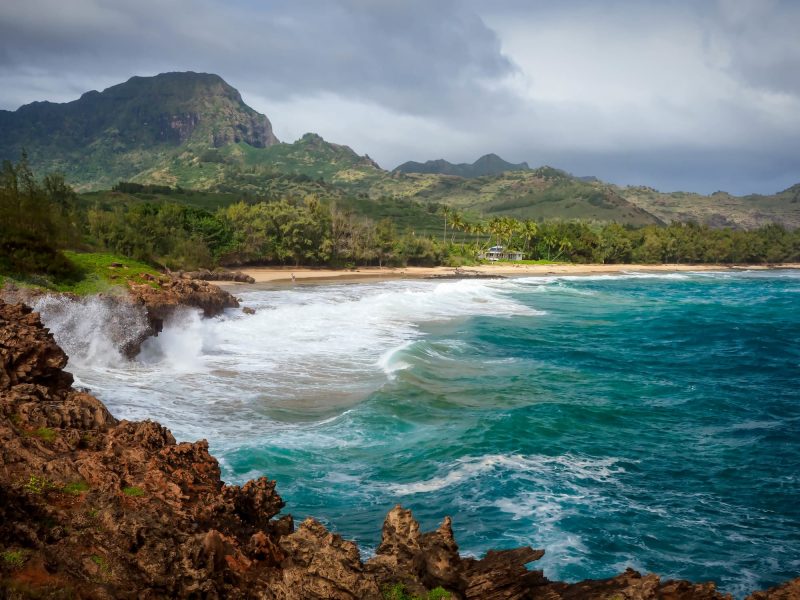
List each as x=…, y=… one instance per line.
x=311, y=275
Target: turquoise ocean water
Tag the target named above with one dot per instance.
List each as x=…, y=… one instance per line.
x=650, y=421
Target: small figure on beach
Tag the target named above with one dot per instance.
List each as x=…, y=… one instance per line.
x=293, y=279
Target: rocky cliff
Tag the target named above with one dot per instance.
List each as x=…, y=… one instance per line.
x=93, y=507
x=115, y=134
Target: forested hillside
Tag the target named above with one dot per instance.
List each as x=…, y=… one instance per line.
x=194, y=132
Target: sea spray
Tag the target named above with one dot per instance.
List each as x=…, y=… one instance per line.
x=180, y=346
x=93, y=331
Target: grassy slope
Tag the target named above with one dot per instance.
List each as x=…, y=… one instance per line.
x=98, y=274
x=543, y=193
x=720, y=208
x=95, y=275
x=312, y=166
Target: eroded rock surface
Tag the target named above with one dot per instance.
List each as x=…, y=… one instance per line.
x=93, y=507
x=171, y=294
x=217, y=275
x=180, y=291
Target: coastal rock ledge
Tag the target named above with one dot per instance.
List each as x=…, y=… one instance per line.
x=93, y=507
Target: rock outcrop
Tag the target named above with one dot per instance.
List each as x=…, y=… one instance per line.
x=169, y=294
x=93, y=507
x=173, y=292
x=217, y=275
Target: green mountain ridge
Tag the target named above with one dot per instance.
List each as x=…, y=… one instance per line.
x=194, y=131
x=488, y=164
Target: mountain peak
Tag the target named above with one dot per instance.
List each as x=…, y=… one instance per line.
x=129, y=125
x=488, y=164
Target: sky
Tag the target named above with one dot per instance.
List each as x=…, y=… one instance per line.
x=675, y=94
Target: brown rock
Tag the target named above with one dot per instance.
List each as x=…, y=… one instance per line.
x=630, y=585
x=787, y=591
x=321, y=565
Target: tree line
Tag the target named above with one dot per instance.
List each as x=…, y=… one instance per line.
x=580, y=242
x=40, y=217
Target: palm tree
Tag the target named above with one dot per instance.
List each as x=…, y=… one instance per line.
x=529, y=230
x=456, y=223
x=446, y=212
x=495, y=228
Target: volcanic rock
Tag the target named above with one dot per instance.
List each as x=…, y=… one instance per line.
x=217, y=275
x=170, y=294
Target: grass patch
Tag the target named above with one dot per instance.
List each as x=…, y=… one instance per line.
x=44, y=433
x=93, y=273
x=133, y=491
x=398, y=592
x=14, y=558
x=101, y=562
x=38, y=485
x=102, y=271
x=76, y=488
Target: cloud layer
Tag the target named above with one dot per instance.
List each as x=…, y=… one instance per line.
x=679, y=95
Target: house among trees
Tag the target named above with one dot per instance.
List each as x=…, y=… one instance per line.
x=496, y=253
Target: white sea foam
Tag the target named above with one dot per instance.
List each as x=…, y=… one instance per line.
x=550, y=279
x=308, y=353
x=91, y=330
x=514, y=465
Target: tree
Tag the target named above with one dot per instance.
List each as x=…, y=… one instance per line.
x=529, y=230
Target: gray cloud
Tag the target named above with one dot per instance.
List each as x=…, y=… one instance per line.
x=678, y=95
x=412, y=56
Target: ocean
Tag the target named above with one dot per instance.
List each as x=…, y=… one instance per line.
x=640, y=420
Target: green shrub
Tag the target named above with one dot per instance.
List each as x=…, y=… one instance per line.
x=398, y=592
x=44, y=433
x=395, y=592
x=76, y=487
x=38, y=485
x=14, y=558
x=101, y=562
x=133, y=491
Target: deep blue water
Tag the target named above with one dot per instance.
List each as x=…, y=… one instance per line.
x=645, y=421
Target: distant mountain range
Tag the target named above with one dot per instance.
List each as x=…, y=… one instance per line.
x=194, y=131
x=488, y=164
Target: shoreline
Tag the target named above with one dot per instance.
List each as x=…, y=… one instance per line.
x=316, y=275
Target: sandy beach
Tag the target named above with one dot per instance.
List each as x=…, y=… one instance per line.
x=310, y=275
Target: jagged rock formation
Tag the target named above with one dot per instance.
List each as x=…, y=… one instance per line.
x=93, y=507
x=172, y=293
x=176, y=291
x=217, y=275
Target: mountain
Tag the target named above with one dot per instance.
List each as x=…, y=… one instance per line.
x=543, y=193
x=132, y=127
x=489, y=164
x=193, y=131
x=719, y=209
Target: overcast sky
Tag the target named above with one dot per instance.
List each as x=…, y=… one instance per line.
x=693, y=95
